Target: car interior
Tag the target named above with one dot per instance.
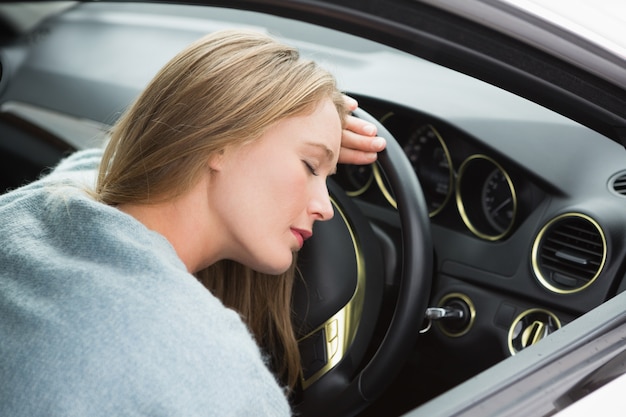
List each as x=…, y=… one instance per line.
x=496, y=219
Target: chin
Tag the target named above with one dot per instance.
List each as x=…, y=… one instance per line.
x=276, y=268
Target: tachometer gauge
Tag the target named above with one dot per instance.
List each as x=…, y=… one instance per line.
x=486, y=197
x=431, y=161
x=355, y=179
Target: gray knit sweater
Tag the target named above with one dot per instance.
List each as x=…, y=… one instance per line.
x=99, y=317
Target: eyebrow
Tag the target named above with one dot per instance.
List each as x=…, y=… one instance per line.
x=329, y=153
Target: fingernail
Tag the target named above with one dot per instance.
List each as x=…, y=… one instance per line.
x=378, y=143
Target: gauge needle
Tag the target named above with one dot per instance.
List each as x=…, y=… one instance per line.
x=500, y=206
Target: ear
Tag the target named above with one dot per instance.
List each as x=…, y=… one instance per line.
x=216, y=160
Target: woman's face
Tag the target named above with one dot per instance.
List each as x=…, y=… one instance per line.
x=268, y=194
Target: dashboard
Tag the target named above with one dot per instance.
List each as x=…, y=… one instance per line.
x=528, y=224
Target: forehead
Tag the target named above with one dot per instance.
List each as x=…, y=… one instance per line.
x=318, y=130
x=322, y=128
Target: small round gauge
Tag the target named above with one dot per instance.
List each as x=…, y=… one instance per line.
x=431, y=161
x=498, y=201
x=355, y=179
x=486, y=197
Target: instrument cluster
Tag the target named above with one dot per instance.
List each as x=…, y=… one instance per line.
x=465, y=184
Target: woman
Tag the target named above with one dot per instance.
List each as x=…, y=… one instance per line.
x=215, y=174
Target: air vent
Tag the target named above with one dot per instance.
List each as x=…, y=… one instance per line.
x=530, y=327
x=569, y=253
x=618, y=183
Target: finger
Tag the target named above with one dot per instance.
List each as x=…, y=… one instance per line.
x=358, y=142
x=360, y=126
x=351, y=103
x=352, y=156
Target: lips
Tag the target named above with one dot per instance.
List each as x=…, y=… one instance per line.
x=301, y=235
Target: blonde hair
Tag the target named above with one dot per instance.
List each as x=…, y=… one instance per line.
x=224, y=90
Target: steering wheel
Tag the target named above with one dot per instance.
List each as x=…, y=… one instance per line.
x=338, y=297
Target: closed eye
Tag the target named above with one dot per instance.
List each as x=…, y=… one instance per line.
x=310, y=168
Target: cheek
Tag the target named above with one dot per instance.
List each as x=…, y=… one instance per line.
x=289, y=187
x=269, y=193
x=269, y=189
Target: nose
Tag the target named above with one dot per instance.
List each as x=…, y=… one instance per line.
x=320, y=206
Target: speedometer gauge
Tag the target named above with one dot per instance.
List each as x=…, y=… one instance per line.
x=497, y=200
x=429, y=155
x=486, y=197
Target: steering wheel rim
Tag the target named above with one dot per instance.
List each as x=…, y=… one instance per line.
x=343, y=394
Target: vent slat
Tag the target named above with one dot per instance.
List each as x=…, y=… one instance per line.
x=583, y=252
x=585, y=274
x=554, y=264
x=587, y=236
x=594, y=263
x=556, y=245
